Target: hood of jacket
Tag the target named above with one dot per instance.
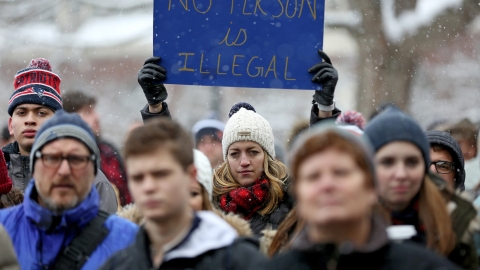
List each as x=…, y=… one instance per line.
x=45, y=219
x=378, y=238
x=445, y=139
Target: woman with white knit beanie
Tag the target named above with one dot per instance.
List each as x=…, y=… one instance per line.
x=251, y=182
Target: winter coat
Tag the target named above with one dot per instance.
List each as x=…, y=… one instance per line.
x=112, y=167
x=39, y=236
x=465, y=224
x=19, y=172
x=377, y=253
x=259, y=223
x=314, y=115
x=242, y=226
x=8, y=258
x=210, y=244
x=148, y=115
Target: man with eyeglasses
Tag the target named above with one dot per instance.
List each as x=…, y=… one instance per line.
x=59, y=225
x=447, y=158
x=35, y=99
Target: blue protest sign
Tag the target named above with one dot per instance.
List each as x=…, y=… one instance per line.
x=239, y=43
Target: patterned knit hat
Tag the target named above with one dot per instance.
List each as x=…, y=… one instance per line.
x=247, y=125
x=36, y=84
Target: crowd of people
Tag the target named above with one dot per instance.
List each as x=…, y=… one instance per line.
x=382, y=194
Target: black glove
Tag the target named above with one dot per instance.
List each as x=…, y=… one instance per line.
x=149, y=78
x=326, y=75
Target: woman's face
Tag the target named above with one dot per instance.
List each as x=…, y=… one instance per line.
x=196, y=200
x=245, y=159
x=331, y=189
x=400, y=172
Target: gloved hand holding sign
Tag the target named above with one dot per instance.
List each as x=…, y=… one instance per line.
x=150, y=77
x=326, y=75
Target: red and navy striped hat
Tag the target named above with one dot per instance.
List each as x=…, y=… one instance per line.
x=36, y=84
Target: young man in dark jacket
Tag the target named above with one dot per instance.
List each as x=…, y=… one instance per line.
x=35, y=99
x=160, y=170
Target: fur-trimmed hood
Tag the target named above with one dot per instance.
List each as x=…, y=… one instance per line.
x=242, y=226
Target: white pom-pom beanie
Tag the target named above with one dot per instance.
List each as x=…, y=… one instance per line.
x=247, y=125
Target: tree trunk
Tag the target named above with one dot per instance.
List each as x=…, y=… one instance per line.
x=385, y=76
x=386, y=70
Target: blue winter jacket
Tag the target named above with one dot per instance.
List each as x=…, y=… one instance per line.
x=39, y=236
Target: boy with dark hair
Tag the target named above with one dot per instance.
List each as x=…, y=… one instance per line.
x=159, y=163
x=35, y=99
x=112, y=164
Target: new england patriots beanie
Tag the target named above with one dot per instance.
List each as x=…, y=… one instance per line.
x=36, y=84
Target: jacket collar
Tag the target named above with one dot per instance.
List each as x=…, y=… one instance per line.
x=208, y=232
x=11, y=148
x=378, y=238
x=44, y=219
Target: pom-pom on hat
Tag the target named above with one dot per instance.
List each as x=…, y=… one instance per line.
x=36, y=84
x=351, y=118
x=247, y=125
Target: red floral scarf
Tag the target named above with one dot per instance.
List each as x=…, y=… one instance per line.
x=246, y=201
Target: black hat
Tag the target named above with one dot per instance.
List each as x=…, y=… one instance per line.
x=394, y=125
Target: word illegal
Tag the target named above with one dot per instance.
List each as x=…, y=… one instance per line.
x=252, y=70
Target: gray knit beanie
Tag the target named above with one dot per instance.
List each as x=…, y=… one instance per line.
x=394, y=125
x=247, y=125
x=65, y=125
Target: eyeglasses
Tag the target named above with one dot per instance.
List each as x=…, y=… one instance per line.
x=444, y=167
x=75, y=161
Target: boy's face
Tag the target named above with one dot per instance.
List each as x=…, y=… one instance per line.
x=25, y=122
x=159, y=185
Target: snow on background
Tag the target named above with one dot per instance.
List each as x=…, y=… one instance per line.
x=99, y=46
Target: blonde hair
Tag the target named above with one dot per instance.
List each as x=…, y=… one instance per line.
x=275, y=171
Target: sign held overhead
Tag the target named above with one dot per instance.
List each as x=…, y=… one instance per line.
x=239, y=43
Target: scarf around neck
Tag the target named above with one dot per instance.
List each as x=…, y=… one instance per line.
x=409, y=216
x=246, y=201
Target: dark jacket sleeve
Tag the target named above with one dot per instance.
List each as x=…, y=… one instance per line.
x=245, y=255
x=147, y=115
x=314, y=119
x=108, y=197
